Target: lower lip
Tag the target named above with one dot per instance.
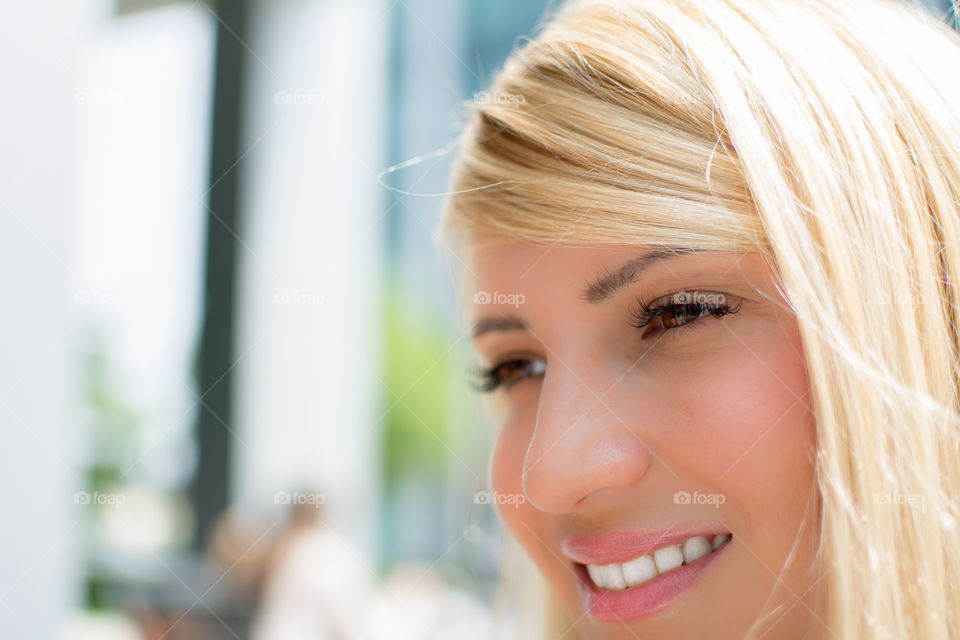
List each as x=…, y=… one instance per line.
x=642, y=600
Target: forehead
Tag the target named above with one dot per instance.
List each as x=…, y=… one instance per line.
x=528, y=264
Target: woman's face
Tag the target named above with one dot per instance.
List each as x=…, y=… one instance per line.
x=636, y=437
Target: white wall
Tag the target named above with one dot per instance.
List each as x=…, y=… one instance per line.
x=308, y=398
x=39, y=534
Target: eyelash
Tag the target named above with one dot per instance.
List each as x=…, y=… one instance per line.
x=488, y=379
x=693, y=303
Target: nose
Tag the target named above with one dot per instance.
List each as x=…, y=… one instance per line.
x=583, y=442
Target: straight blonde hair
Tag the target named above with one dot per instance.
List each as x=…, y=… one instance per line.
x=824, y=134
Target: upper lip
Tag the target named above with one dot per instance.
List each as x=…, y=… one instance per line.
x=621, y=546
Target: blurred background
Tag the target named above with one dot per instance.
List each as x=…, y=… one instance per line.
x=234, y=390
x=233, y=385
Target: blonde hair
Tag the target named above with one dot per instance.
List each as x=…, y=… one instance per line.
x=822, y=133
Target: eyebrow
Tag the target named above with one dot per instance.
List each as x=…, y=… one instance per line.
x=604, y=286
x=499, y=323
x=597, y=290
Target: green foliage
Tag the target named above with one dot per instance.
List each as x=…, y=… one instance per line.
x=417, y=369
x=115, y=426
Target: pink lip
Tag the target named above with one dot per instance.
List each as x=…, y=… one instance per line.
x=646, y=599
x=621, y=546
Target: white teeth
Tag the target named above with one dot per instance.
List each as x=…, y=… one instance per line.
x=609, y=575
x=668, y=558
x=639, y=570
x=597, y=574
x=647, y=567
x=613, y=576
x=719, y=539
x=694, y=548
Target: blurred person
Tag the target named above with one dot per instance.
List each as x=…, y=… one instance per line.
x=215, y=597
x=418, y=603
x=711, y=259
x=317, y=585
x=158, y=624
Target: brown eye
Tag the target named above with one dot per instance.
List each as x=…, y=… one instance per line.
x=681, y=309
x=684, y=314
x=508, y=373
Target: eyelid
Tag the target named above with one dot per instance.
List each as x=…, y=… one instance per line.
x=512, y=355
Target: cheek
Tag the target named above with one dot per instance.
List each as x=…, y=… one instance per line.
x=748, y=431
x=762, y=426
x=751, y=425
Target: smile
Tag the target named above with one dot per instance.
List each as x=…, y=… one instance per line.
x=628, y=575
x=623, y=575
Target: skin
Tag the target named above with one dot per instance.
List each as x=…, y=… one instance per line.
x=621, y=421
